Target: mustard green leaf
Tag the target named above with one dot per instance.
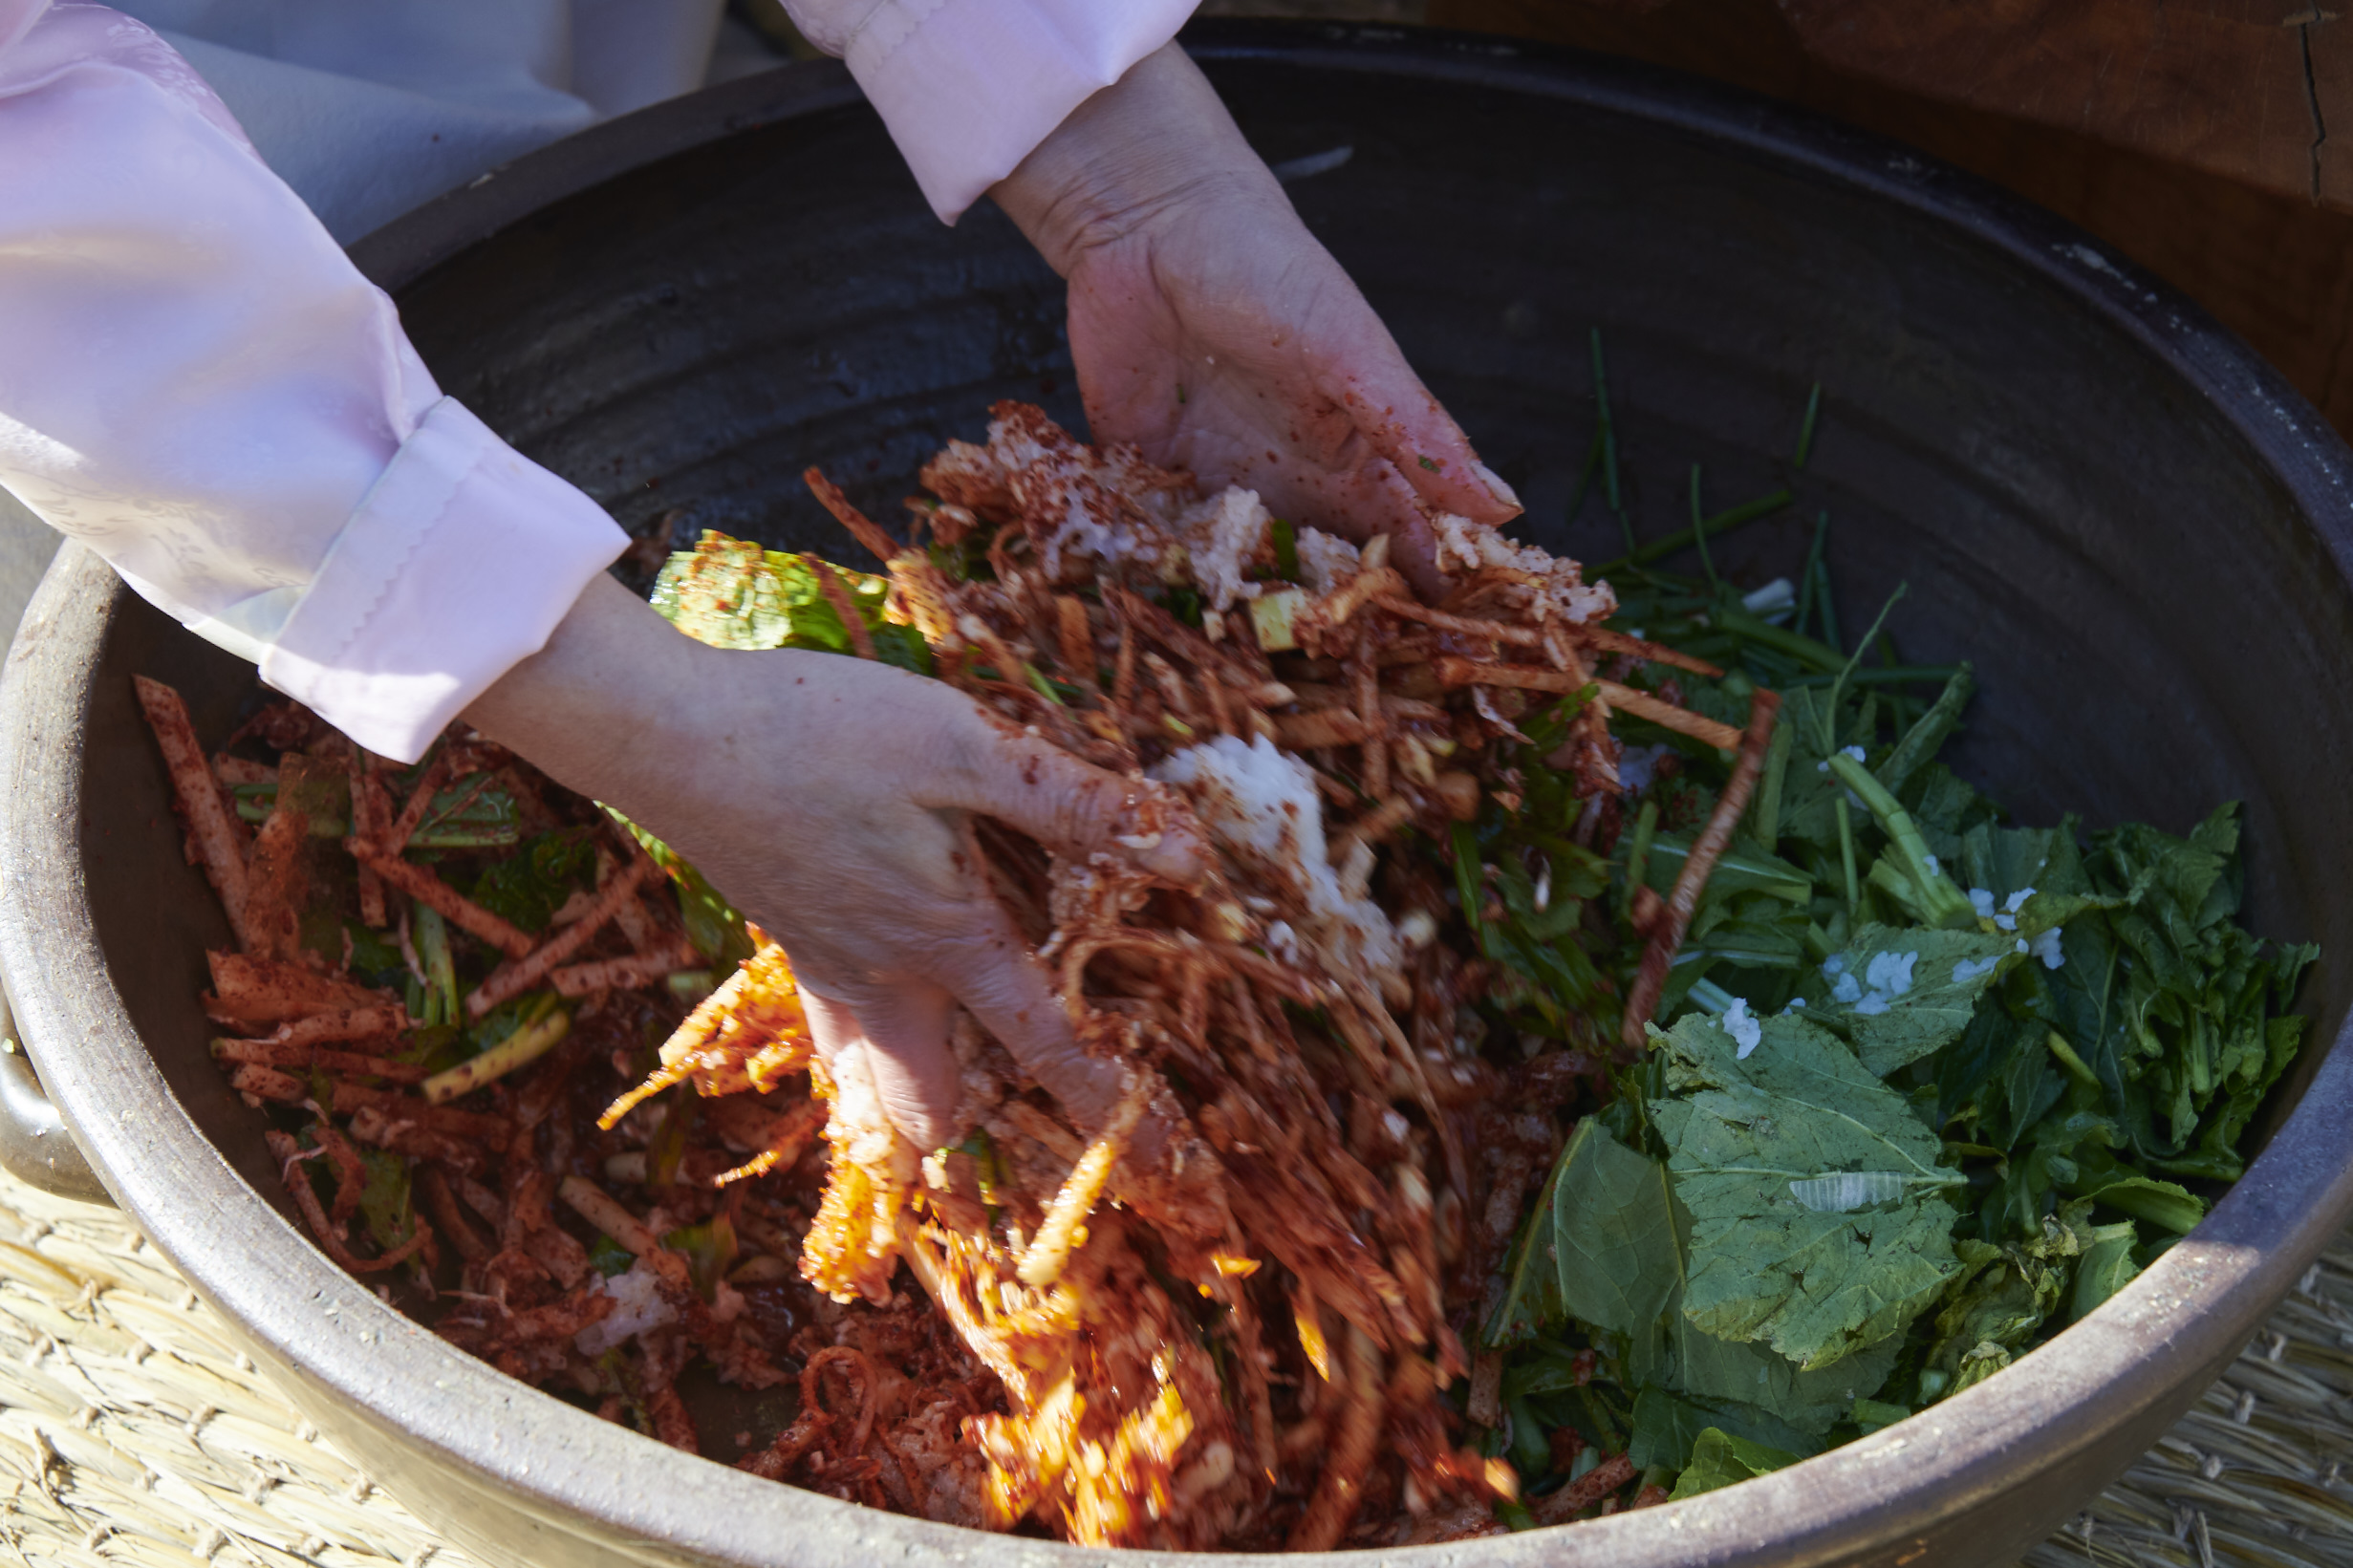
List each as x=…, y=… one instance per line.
x=1897, y=995
x=1708, y=1368
x=2105, y=1267
x=1666, y=1426
x=1719, y=1459
x=1599, y=1245
x=1816, y=1286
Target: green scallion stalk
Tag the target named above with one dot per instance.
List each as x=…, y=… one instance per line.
x=1941, y=903
x=2077, y=1068
x=429, y=934
x=1710, y=996
x=1806, y=430
x=1638, y=854
x=1470, y=881
x=1605, y=427
x=1806, y=577
x=1838, y=687
x=1285, y=540
x=1779, y=639
x=525, y=1046
x=1847, y=860
x=1713, y=527
x=1764, y=812
x=256, y=803
x=1043, y=687
x=1825, y=611
x=1902, y=675
x=2179, y=1214
x=667, y=1149
x=1699, y=535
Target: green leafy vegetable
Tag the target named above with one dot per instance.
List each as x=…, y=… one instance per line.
x=712, y=924
x=1899, y=994
x=471, y=814
x=1667, y=1428
x=731, y=593
x=527, y=887
x=1740, y=1382
x=1285, y=540
x=431, y=936
x=2002, y=1298
x=503, y=1021
x=709, y=1249
x=2106, y=1266
x=374, y=961
x=1599, y=1246
x=608, y=1257
x=1816, y=1286
x=1926, y=1079
x=1718, y=1459
x=2177, y=1012
x=384, y=1198
x=1871, y=1415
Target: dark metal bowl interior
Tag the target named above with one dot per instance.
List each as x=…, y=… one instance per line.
x=2132, y=527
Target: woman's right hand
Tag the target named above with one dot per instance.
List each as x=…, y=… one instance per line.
x=832, y=798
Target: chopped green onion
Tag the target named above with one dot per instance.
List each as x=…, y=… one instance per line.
x=1941, y=903
x=1722, y=522
x=526, y=1045
x=1286, y=539
x=1806, y=430
x=1699, y=535
x=1608, y=431
x=429, y=934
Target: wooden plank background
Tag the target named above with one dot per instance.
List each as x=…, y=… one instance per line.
x=2196, y=138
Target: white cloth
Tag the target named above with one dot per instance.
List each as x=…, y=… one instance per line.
x=370, y=107
x=969, y=87
x=196, y=382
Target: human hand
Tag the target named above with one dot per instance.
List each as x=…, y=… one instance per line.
x=832, y=798
x=1212, y=331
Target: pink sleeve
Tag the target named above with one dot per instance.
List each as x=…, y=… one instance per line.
x=196, y=382
x=969, y=87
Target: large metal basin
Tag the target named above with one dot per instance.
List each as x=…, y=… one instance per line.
x=2136, y=528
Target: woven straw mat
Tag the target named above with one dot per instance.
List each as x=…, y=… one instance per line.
x=131, y=1431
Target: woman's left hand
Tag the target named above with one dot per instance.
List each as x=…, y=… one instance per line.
x=1211, y=329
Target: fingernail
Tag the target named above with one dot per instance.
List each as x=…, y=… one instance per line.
x=1504, y=495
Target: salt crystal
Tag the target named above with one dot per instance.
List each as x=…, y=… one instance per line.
x=1891, y=972
x=1742, y=1027
x=637, y=1306
x=1262, y=804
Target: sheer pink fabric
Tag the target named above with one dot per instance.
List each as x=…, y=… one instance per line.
x=195, y=382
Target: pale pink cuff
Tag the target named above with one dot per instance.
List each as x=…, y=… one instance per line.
x=456, y=566
x=970, y=87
